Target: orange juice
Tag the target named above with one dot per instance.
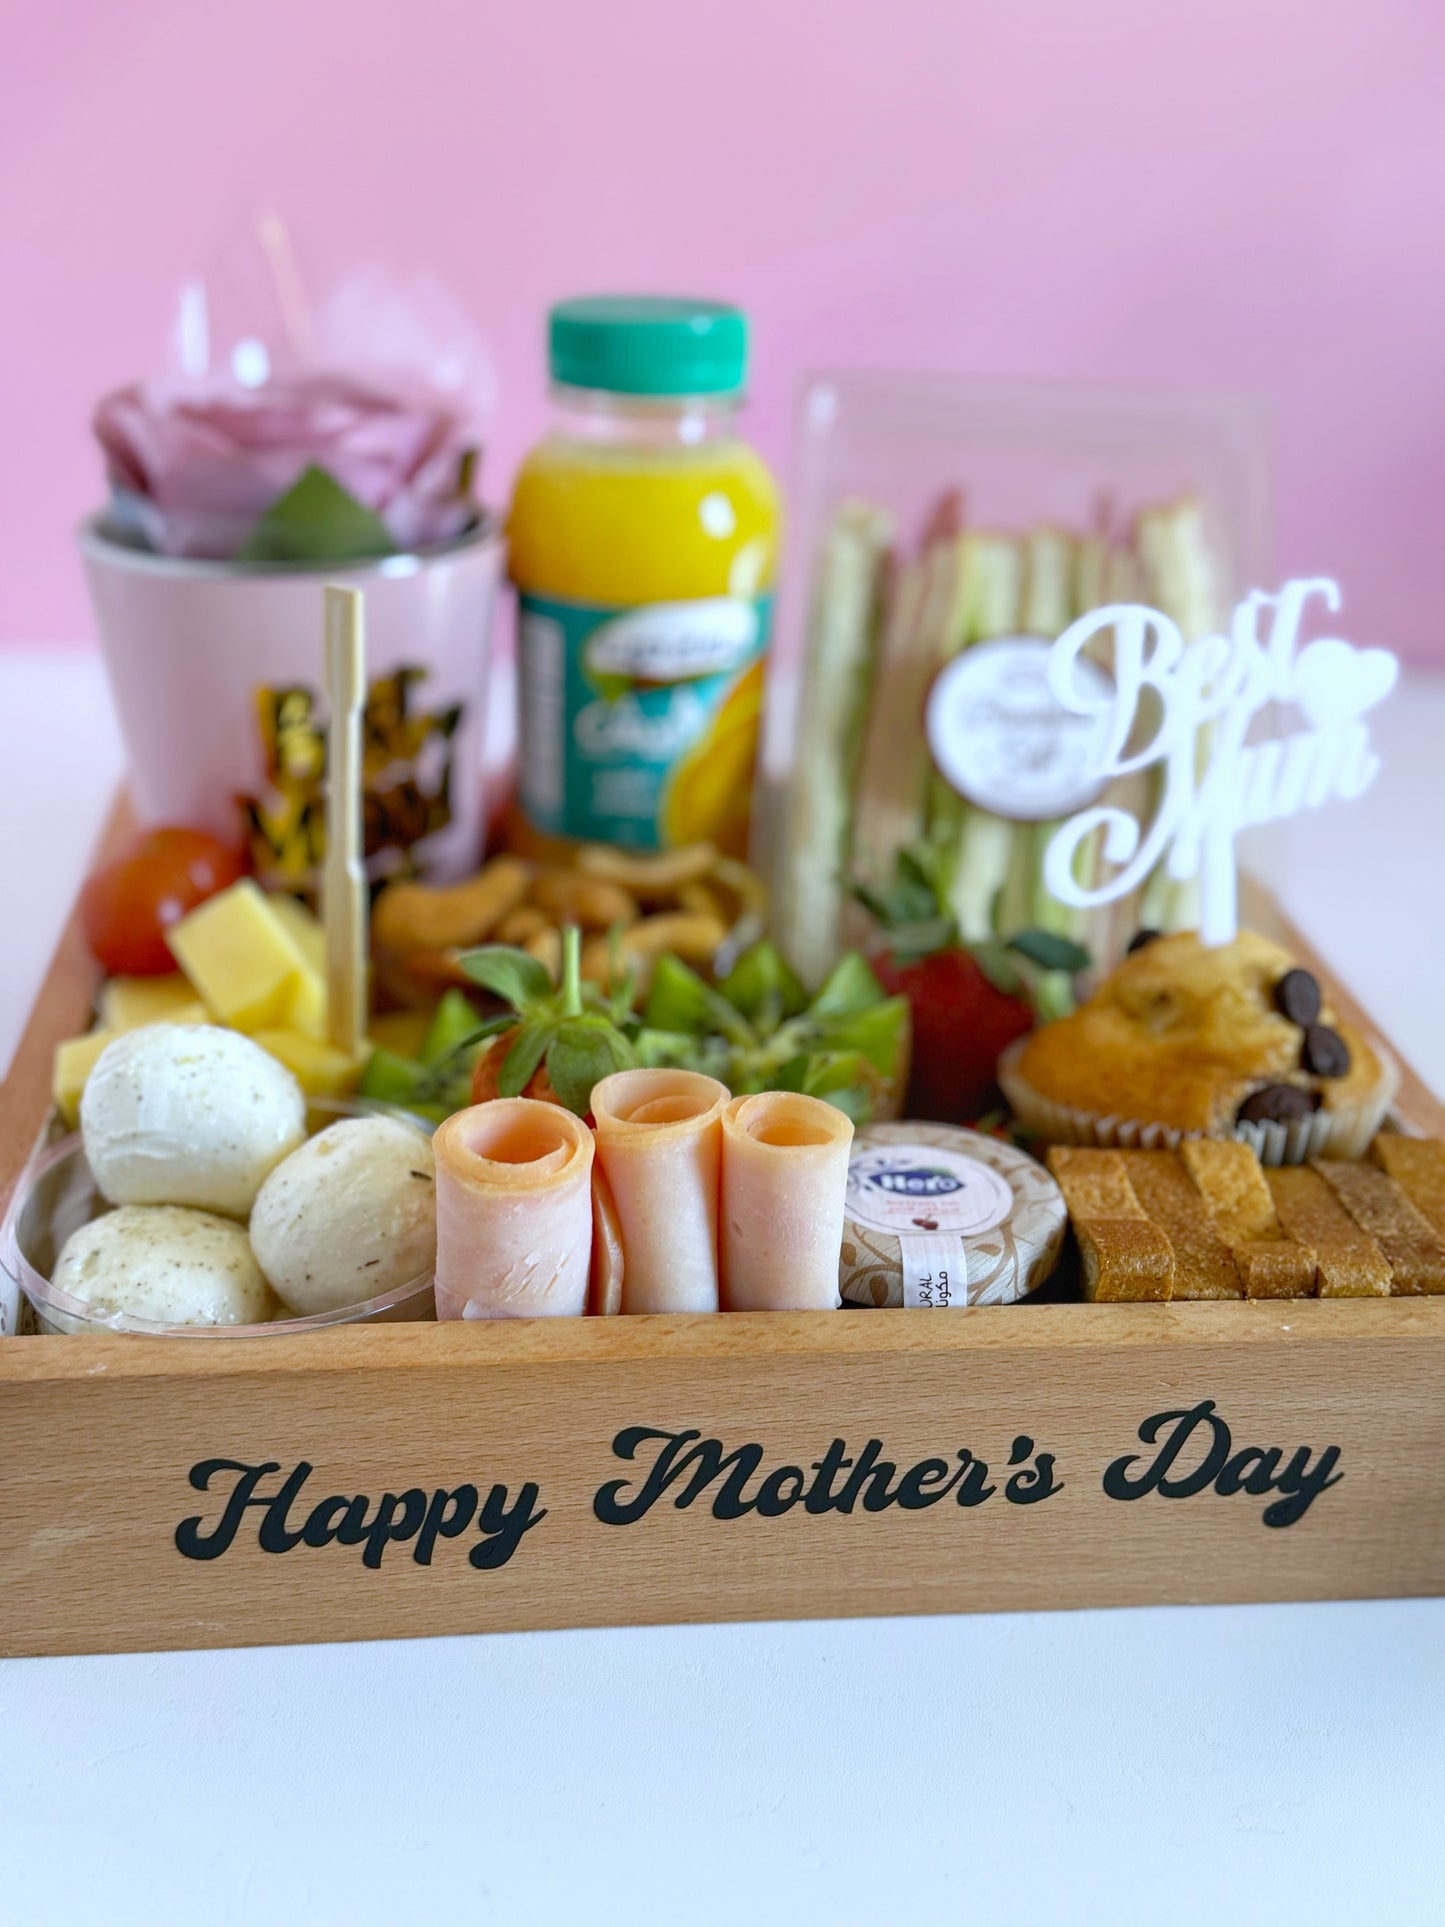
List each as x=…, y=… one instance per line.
x=643, y=540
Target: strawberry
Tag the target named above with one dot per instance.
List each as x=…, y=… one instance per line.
x=961, y=1023
x=969, y=1001
x=488, y=1071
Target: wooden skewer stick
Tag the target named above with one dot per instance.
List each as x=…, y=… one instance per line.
x=343, y=885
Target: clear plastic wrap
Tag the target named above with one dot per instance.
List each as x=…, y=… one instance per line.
x=938, y=517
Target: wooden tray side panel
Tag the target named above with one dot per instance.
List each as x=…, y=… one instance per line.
x=540, y=1483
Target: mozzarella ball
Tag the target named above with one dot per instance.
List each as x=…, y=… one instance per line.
x=188, y=1114
x=167, y=1264
x=350, y=1215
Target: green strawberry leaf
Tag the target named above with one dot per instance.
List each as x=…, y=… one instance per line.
x=879, y=1034
x=583, y=1051
x=760, y=981
x=524, y=1054
x=849, y=988
x=519, y=980
x=316, y=520
x=1050, y=952
x=1002, y=972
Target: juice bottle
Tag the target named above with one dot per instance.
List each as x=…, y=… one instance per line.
x=643, y=537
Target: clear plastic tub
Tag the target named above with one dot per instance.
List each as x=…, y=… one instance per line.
x=56, y=1194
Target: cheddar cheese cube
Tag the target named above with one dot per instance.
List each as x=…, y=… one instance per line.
x=318, y=1068
x=75, y=1059
x=126, y=1003
x=308, y=931
x=245, y=963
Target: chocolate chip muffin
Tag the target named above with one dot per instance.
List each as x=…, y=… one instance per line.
x=1184, y=1040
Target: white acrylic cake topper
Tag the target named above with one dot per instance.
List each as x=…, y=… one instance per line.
x=1213, y=785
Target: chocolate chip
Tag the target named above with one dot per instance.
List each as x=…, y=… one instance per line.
x=1142, y=937
x=1297, y=996
x=1324, y=1051
x=1277, y=1104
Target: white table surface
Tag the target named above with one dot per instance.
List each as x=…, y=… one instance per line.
x=1228, y=1764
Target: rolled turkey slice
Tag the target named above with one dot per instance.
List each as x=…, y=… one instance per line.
x=784, y=1175
x=604, y=1289
x=659, y=1141
x=514, y=1211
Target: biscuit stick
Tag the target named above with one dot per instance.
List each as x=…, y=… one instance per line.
x=1203, y=1264
x=1417, y=1164
x=1416, y=1257
x=1126, y=1259
x=1351, y=1264
x=1231, y=1183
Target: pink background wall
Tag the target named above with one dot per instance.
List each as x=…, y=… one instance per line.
x=1246, y=194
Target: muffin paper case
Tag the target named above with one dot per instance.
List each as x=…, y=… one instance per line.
x=939, y=1218
x=216, y=669
x=1343, y=1133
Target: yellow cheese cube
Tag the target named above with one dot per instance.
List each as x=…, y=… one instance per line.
x=317, y=1068
x=240, y=956
x=308, y=1006
x=126, y=1003
x=308, y=1003
x=309, y=932
x=74, y=1061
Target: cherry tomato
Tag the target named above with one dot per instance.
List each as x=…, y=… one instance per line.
x=211, y=864
x=127, y=906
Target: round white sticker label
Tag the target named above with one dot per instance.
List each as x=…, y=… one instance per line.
x=908, y=1188
x=1001, y=737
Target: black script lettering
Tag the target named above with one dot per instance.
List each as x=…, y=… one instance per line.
x=819, y=1496
x=502, y=1529
x=926, y=1483
x=190, y=1540
x=321, y=1527
x=354, y=1524
x=1119, y=1485
x=1252, y=1470
x=678, y=1455
x=773, y=1500
x=1034, y=1482
x=869, y=1478
x=273, y=1536
x=447, y=1517
x=973, y=1487
x=1302, y=1485
x=398, y=1515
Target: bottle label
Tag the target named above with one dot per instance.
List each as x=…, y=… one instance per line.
x=640, y=724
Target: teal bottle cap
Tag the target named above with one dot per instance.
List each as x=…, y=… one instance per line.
x=648, y=345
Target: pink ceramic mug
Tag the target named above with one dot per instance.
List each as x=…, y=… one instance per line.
x=216, y=672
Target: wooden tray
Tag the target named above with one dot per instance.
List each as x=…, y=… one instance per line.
x=467, y=1478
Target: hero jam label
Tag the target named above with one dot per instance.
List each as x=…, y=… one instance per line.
x=919, y=1187
x=639, y=725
